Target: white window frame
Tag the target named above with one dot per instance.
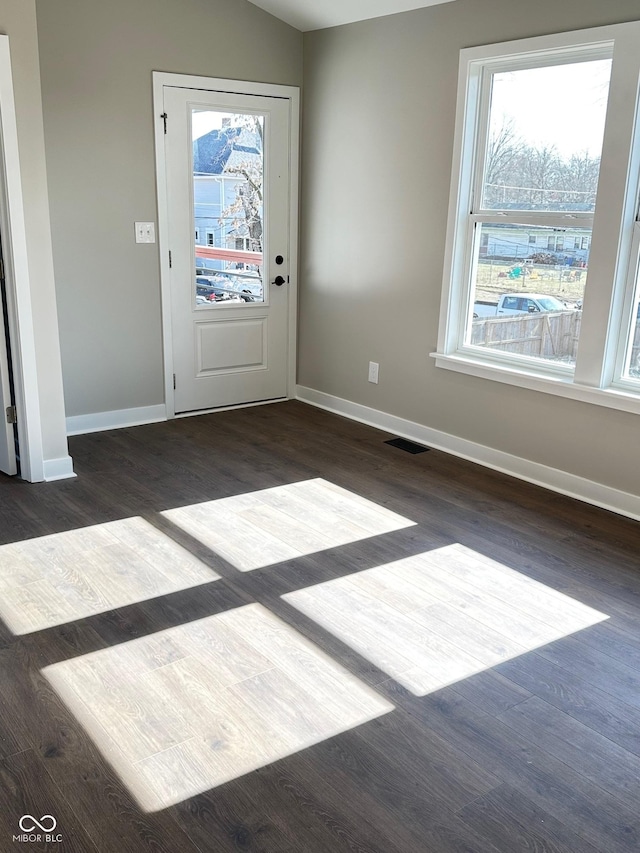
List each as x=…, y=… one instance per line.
x=615, y=241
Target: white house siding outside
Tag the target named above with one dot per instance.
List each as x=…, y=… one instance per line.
x=212, y=195
x=569, y=245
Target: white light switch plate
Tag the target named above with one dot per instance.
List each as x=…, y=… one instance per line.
x=145, y=232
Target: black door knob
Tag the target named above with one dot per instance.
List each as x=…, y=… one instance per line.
x=278, y=280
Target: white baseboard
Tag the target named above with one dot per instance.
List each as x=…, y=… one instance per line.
x=58, y=469
x=623, y=503
x=100, y=421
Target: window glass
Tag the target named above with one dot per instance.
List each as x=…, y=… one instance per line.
x=546, y=127
x=228, y=172
x=510, y=274
x=632, y=362
x=541, y=157
x=527, y=197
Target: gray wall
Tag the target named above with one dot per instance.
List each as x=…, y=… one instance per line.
x=377, y=146
x=96, y=59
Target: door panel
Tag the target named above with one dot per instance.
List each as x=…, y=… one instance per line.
x=230, y=346
x=228, y=190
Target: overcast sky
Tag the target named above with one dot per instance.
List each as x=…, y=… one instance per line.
x=206, y=120
x=561, y=105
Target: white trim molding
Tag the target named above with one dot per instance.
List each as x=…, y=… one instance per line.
x=18, y=287
x=58, y=469
x=601, y=374
x=612, y=397
x=101, y=421
x=623, y=503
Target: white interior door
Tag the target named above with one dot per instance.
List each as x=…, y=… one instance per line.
x=227, y=162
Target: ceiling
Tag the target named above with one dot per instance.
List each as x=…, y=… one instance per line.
x=317, y=14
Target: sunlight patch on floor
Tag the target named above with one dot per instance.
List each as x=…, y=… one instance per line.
x=262, y=528
x=66, y=576
x=441, y=616
x=187, y=709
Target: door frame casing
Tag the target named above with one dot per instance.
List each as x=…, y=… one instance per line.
x=235, y=87
x=18, y=286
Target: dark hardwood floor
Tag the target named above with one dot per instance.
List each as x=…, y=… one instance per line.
x=523, y=603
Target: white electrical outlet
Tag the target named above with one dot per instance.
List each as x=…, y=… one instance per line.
x=145, y=232
x=373, y=372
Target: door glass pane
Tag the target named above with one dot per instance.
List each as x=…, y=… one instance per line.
x=228, y=170
x=546, y=127
x=524, y=299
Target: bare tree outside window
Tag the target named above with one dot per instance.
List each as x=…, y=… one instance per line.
x=245, y=213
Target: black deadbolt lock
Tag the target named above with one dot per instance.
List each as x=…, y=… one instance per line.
x=279, y=259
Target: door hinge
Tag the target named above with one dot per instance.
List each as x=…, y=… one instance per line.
x=170, y=263
x=164, y=119
x=174, y=382
x=12, y=415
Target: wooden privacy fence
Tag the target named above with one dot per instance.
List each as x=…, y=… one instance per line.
x=550, y=336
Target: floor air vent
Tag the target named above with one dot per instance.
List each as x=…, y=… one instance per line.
x=409, y=446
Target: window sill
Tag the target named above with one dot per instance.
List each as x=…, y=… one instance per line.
x=561, y=386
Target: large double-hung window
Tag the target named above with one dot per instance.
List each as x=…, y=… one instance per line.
x=541, y=282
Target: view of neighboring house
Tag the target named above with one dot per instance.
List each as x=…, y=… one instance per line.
x=513, y=242
x=221, y=159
